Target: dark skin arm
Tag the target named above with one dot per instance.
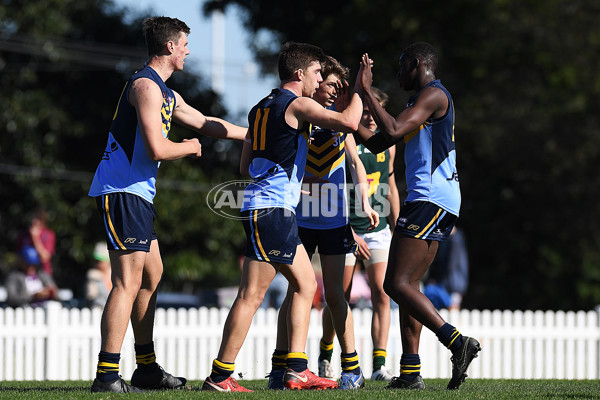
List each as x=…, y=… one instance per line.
x=432, y=102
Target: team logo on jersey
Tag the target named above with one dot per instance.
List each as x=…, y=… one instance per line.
x=454, y=177
x=114, y=146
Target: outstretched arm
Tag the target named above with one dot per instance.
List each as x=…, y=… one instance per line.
x=188, y=116
x=431, y=102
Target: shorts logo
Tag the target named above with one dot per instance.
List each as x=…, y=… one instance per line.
x=130, y=240
x=413, y=227
x=287, y=255
x=143, y=241
x=275, y=253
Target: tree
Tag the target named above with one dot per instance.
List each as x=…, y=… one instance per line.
x=525, y=87
x=60, y=80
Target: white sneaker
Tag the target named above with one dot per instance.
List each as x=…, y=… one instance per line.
x=325, y=370
x=382, y=374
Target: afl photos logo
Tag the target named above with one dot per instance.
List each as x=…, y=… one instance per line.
x=228, y=198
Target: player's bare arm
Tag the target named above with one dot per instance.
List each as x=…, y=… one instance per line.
x=147, y=99
x=359, y=177
x=307, y=109
x=191, y=118
x=246, y=157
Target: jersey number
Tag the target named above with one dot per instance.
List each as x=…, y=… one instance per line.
x=259, y=137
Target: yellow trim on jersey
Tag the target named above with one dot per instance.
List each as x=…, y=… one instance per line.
x=258, y=243
x=110, y=224
x=429, y=224
x=119, y=102
x=414, y=133
x=329, y=156
x=320, y=149
x=263, y=129
x=327, y=170
x=256, y=121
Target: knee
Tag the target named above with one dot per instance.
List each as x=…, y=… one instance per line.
x=393, y=288
x=379, y=296
x=335, y=298
x=252, y=299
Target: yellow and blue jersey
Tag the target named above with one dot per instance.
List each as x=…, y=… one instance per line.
x=278, y=154
x=326, y=160
x=430, y=157
x=125, y=166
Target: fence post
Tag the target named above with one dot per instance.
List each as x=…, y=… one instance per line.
x=53, y=358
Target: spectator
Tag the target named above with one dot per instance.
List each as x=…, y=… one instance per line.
x=98, y=278
x=41, y=237
x=28, y=284
x=276, y=292
x=449, y=273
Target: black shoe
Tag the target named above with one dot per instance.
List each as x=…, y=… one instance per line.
x=156, y=379
x=398, y=382
x=116, y=386
x=461, y=360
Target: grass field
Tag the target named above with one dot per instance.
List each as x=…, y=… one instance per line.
x=471, y=389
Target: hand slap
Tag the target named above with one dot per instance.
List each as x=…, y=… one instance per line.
x=366, y=78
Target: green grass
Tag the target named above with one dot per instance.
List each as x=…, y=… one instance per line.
x=471, y=389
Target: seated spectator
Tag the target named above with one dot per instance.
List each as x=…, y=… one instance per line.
x=98, y=277
x=28, y=284
x=41, y=237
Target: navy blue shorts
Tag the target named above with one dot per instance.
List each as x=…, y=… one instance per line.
x=128, y=221
x=329, y=241
x=424, y=220
x=271, y=235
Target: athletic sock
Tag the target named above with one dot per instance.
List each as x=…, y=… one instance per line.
x=221, y=370
x=350, y=363
x=278, y=360
x=297, y=361
x=326, y=351
x=379, y=356
x=410, y=366
x=145, y=357
x=450, y=337
x=108, y=366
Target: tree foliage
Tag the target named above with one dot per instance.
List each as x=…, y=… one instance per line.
x=60, y=78
x=524, y=79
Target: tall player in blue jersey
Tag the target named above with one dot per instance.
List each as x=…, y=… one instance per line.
x=275, y=156
x=430, y=210
x=124, y=188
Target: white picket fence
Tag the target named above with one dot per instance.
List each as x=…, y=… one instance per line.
x=57, y=343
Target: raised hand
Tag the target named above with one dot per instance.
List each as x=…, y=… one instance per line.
x=343, y=95
x=366, y=78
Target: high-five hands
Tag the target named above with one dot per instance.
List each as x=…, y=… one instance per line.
x=366, y=78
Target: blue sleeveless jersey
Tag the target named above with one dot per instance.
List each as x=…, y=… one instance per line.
x=278, y=154
x=326, y=160
x=125, y=166
x=430, y=158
